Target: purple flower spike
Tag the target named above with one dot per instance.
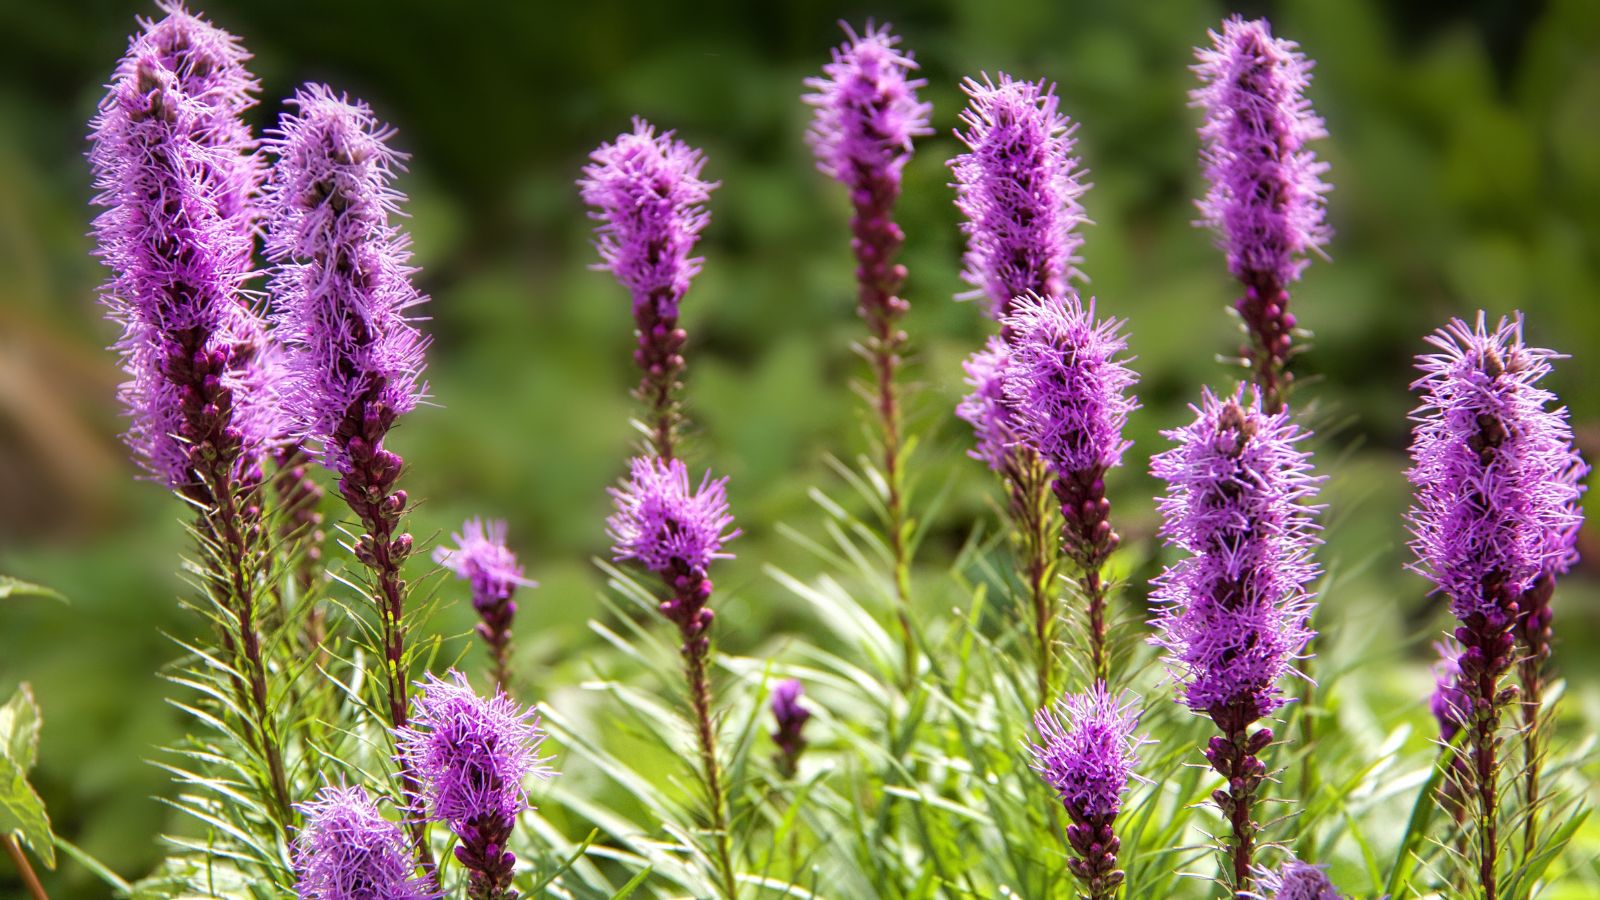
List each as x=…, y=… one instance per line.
x=1296, y=880
x=482, y=559
x=1266, y=194
x=1087, y=757
x=174, y=166
x=985, y=408
x=790, y=718
x=867, y=111
x=1067, y=384
x=343, y=276
x=667, y=527
x=349, y=851
x=646, y=191
x=1018, y=187
x=473, y=756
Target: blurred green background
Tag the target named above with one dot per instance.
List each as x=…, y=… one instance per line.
x=1465, y=156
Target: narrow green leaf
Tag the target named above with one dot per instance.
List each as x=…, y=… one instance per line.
x=16, y=587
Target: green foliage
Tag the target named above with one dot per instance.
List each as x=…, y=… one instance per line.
x=22, y=813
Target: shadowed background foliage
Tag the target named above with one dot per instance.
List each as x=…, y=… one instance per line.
x=1465, y=156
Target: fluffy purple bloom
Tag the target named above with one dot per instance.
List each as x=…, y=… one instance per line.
x=1234, y=614
x=343, y=274
x=985, y=407
x=647, y=194
x=1066, y=383
x=1296, y=880
x=1018, y=187
x=1266, y=194
x=1494, y=468
x=349, y=851
x=174, y=166
x=1088, y=751
x=664, y=525
x=472, y=754
x=482, y=558
x=867, y=111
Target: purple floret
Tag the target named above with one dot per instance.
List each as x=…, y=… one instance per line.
x=1066, y=384
x=1296, y=880
x=1018, y=187
x=1088, y=751
x=867, y=111
x=1234, y=614
x=1495, y=472
x=482, y=558
x=664, y=525
x=343, y=276
x=347, y=850
x=1266, y=194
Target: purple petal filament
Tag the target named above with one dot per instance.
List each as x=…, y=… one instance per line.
x=1018, y=187
x=347, y=850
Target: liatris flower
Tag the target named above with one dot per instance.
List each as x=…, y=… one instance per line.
x=1265, y=198
x=1018, y=187
x=867, y=114
x=349, y=851
x=473, y=756
x=1296, y=880
x=1087, y=757
x=790, y=718
x=1495, y=499
x=482, y=558
x=1068, y=392
x=985, y=408
x=1235, y=613
x=676, y=532
x=648, y=195
x=173, y=162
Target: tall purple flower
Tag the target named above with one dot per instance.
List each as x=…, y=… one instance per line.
x=473, y=756
x=174, y=166
x=349, y=851
x=1235, y=613
x=790, y=718
x=1018, y=186
x=1496, y=481
x=646, y=191
x=1067, y=389
x=483, y=560
x=1296, y=880
x=1266, y=192
x=1087, y=758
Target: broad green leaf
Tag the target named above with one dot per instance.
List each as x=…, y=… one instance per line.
x=19, y=728
x=22, y=812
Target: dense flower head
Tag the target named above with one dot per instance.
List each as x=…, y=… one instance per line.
x=174, y=167
x=1066, y=383
x=343, y=278
x=1493, y=465
x=1234, y=613
x=1266, y=192
x=667, y=526
x=349, y=851
x=482, y=558
x=1018, y=186
x=1296, y=880
x=867, y=111
x=647, y=193
x=985, y=408
x=472, y=754
x=1088, y=752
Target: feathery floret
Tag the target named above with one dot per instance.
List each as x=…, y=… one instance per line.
x=482, y=558
x=349, y=851
x=1296, y=880
x=1088, y=751
x=1018, y=186
x=664, y=525
x=867, y=111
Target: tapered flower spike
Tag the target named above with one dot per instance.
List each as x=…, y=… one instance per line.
x=1087, y=757
x=482, y=559
x=790, y=718
x=867, y=110
x=646, y=191
x=347, y=850
x=474, y=756
x=1018, y=187
x=1234, y=615
x=1496, y=493
x=1265, y=199
x=1296, y=880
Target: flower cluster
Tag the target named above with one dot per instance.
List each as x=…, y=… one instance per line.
x=790, y=718
x=1266, y=193
x=667, y=527
x=867, y=111
x=1494, y=468
x=343, y=276
x=1088, y=754
x=1234, y=614
x=347, y=850
x=1296, y=880
x=1018, y=186
x=985, y=408
x=482, y=558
